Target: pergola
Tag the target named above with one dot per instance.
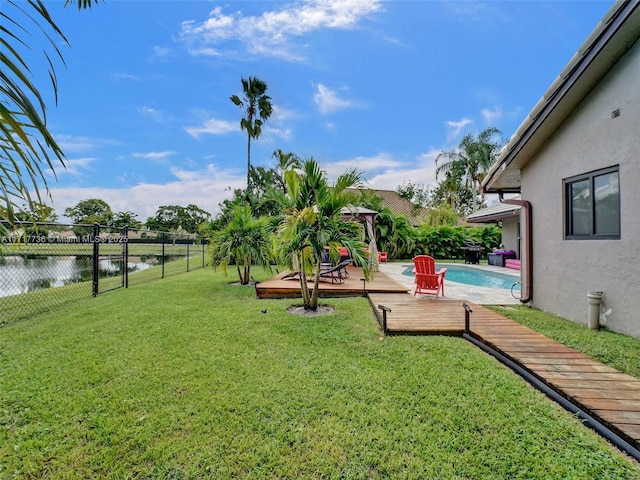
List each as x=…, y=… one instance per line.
x=366, y=216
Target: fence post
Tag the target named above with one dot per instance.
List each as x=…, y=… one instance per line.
x=202, y=243
x=96, y=252
x=188, y=241
x=125, y=233
x=163, y=239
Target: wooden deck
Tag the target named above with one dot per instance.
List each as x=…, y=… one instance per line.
x=411, y=315
x=606, y=394
x=353, y=286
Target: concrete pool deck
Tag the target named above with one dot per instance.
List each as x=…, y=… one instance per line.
x=459, y=291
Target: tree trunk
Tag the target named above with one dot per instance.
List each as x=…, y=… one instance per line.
x=304, y=290
x=248, y=164
x=474, y=192
x=313, y=304
x=239, y=274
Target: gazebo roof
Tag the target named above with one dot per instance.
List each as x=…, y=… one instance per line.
x=356, y=211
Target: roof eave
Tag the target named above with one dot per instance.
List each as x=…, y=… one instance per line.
x=493, y=218
x=609, y=41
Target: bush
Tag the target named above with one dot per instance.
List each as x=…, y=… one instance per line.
x=489, y=236
x=447, y=242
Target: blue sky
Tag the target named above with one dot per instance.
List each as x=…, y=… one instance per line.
x=145, y=119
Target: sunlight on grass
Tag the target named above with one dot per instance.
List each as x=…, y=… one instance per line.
x=187, y=378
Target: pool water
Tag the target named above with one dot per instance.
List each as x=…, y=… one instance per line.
x=474, y=276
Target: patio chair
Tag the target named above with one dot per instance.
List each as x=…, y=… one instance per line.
x=336, y=273
x=428, y=281
x=383, y=257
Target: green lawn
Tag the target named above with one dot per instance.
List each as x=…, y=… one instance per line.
x=188, y=378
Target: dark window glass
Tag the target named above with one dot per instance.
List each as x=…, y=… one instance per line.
x=606, y=194
x=580, y=208
x=593, y=205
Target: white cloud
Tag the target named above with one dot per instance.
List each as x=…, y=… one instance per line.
x=208, y=187
x=213, y=126
x=457, y=128
x=271, y=33
x=491, y=115
x=276, y=126
x=420, y=170
x=74, y=166
x=280, y=114
x=154, y=155
x=385, y=172
x=161, y=52
x=364, y=164
x=393, y=178
x=486, y=15
x=155, y=115
x=126, y=76
x=205, y=188
x=328, y=101
x=69, y=143
x=281, y=133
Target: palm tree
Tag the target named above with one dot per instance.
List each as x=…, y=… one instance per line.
x=314, y=219
x=242, y=241
x=284, y=162
x=257, y=108
x=26, y=145
x=471, y=161
x=442, y=215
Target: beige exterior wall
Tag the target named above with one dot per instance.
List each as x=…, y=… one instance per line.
x=510, y=234
x=564, y=271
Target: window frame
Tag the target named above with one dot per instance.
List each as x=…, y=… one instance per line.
x=568, y=204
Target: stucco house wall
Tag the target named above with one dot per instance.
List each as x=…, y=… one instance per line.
x=564, y=271
x=510, y=234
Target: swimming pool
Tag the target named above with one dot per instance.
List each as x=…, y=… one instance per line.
x=474, y=276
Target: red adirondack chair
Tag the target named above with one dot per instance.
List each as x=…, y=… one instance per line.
x=428, y=281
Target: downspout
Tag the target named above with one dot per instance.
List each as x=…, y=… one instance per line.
x=526, y=292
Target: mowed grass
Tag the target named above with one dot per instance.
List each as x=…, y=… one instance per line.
x=188, y=378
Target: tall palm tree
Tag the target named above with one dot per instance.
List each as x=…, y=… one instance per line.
x=314, y=219
x=26, y=145
x=257, y=108
x=471, y=160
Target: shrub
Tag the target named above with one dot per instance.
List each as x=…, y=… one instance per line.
x=447, y=242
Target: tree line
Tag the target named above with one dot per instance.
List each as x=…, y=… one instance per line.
x=168, y=218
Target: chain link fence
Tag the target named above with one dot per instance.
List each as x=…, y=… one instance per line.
x=46, y=265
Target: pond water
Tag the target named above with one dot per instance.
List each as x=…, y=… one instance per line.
x=474, y=276
x=27, y=273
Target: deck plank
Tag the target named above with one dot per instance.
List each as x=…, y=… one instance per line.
x=353, y=286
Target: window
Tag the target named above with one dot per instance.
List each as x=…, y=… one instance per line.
x=593, y=205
